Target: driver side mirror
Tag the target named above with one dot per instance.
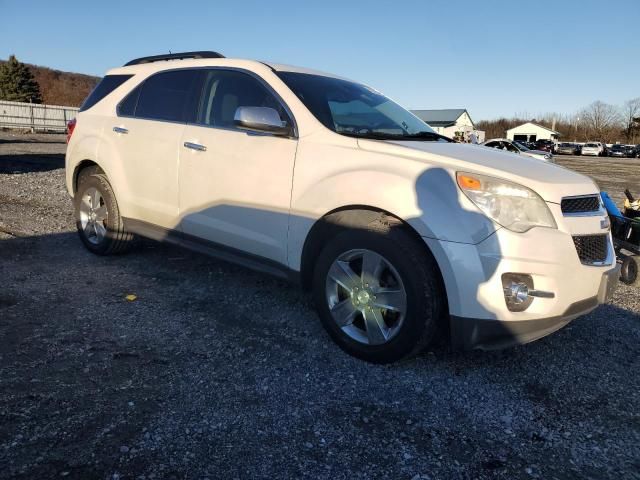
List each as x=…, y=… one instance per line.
x=261, y=119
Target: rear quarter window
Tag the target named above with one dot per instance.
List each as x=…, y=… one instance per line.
x=107, y=85
x=127, y=107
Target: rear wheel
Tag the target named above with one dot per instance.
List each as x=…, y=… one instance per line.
x=378, y=293
x=98, y=219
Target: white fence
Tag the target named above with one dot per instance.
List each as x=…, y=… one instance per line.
x=35, y=116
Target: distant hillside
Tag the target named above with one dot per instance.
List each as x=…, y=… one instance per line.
x=62, y=88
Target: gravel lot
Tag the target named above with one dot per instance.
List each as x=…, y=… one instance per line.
x=219, y=372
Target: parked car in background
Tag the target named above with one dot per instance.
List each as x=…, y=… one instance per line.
x=518, y=147
x=396, y=230
x=529, y=145
x=620, y=151
x=637, y=151
x=567, y=149
x=545, y=145
x=593, y=149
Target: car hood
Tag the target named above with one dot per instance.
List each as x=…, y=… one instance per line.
x=550, y=181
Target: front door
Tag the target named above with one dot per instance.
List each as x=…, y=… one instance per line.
x=235, y=185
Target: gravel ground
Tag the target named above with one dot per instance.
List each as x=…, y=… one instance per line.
x=219, y=372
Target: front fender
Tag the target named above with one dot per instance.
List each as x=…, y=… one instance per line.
x=428, y=200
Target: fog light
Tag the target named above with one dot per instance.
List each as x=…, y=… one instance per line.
x=519, y=292
x=516, y=288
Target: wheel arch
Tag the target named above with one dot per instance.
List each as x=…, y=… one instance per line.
x=83, y=165
x=349, y=217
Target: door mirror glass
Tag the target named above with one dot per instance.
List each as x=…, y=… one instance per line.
x=261, y=119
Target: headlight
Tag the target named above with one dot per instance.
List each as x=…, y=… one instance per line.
x=511, y=205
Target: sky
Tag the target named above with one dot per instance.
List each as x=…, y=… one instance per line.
x=494, y=58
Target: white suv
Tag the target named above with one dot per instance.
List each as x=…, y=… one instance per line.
x=399, y=232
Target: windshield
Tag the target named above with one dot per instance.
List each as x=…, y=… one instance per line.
x=356, y=110
x=521, y=146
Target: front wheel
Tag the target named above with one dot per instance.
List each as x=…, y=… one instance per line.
x=378, y=293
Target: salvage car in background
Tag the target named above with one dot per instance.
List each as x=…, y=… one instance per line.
x=631, y=151
x=517, y=147
x=567, y=149
x=593, y=149
x=620, y=151
x=545, y=145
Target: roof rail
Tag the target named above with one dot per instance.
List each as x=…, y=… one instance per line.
x=174, y=56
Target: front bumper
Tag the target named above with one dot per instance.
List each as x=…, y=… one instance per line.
x=473, y=274
x=483, y=334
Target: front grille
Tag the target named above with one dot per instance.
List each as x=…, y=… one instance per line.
x=588, y=203
x=592, y=249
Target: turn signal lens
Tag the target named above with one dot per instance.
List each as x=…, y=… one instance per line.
x=468, y=183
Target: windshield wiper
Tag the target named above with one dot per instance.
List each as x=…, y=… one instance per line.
x=429, y=136
x=433, y=136
x=372, y=135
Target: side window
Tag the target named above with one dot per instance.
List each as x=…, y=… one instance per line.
x=510, y=147
x=169, y=96
x=127, y=107
x=107, y=85
x=225, y=90
x=493, y=144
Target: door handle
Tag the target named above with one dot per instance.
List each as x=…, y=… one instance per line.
x=120, y=130
x=195, y=146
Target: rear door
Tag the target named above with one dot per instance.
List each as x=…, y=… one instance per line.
x=150, y=123
x=235, y=185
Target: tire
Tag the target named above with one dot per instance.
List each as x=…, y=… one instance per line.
x=403, y=256
x=629, y=271
x=114, y=239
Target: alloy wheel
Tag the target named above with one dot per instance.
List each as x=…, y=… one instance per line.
x=93, y=215
x=366, y=296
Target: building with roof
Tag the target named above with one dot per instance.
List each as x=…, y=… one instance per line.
x=454, y=123
x=530, y=132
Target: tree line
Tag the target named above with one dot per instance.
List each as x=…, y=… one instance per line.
x=20, y=82
x=599, y=121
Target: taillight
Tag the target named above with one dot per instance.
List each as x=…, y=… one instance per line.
x=71, y=125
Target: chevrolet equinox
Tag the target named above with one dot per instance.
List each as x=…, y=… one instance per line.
x=398, y=232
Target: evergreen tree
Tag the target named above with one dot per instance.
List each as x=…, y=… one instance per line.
x=17, y=83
